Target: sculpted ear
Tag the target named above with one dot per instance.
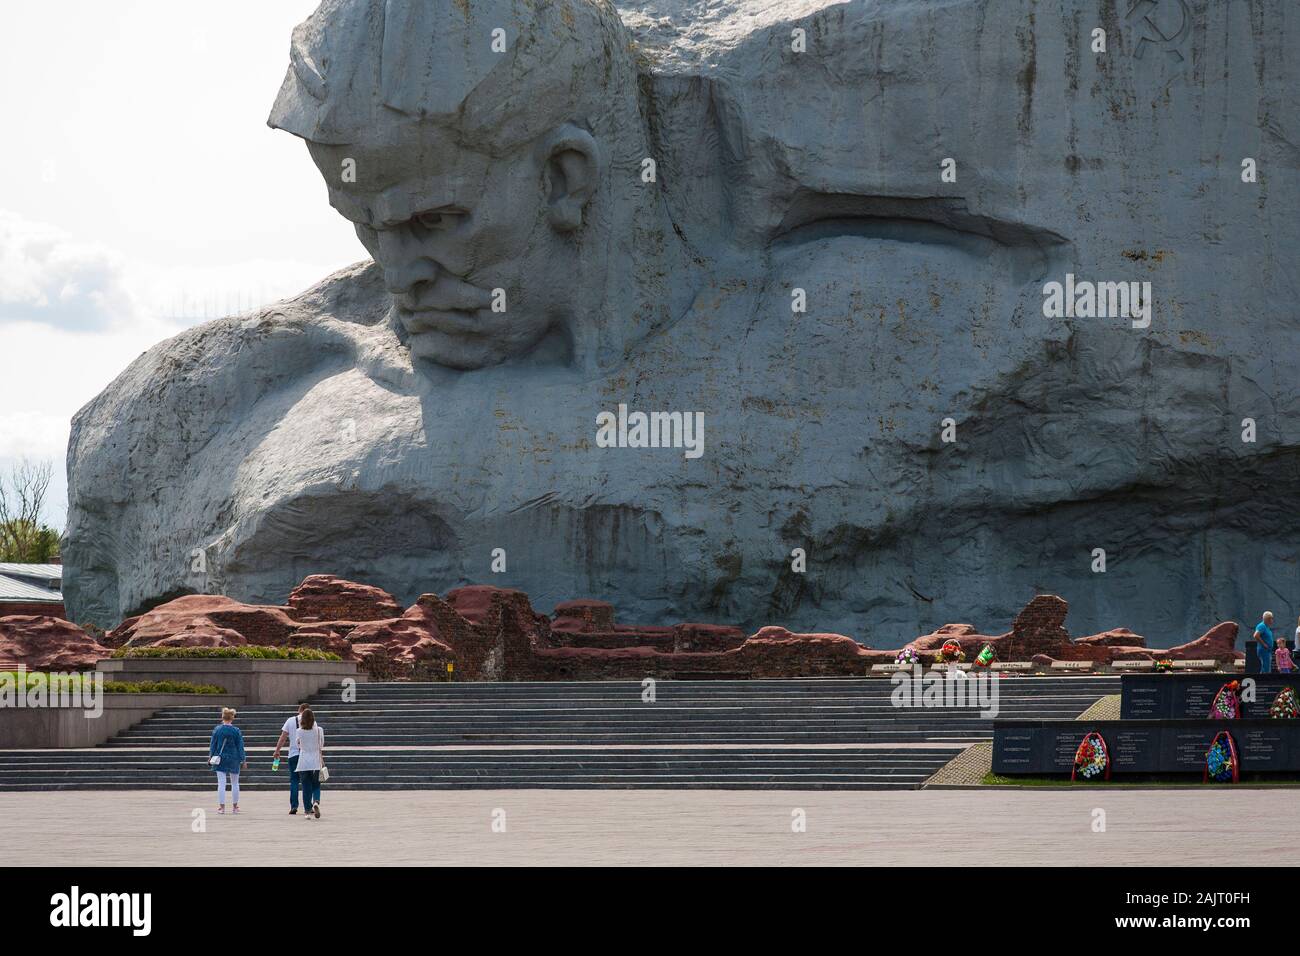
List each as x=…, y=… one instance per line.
x=573, y=167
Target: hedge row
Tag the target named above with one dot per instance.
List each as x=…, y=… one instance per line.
x=60, y=681
x=251, y=652
x=160, y=687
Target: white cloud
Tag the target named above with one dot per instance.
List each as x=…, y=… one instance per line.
x=52, y=278
x=137, y=207
x=74, y=314
x=47, y=276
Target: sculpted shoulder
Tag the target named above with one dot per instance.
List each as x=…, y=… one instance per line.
x=186, y=391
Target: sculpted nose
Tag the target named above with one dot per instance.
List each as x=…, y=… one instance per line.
x=403, y=263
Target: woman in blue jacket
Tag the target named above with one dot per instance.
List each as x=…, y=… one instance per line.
x=228, y=747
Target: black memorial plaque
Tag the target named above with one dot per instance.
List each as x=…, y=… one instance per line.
x=1193, y=698
x=1189, y=696
x=1017, y=751
x=1144, y=697
x=1144, y=746
x=1065, y=744
x=1259, y=692
x=1183, y=748
x=1134, y=750
x=1263, y=747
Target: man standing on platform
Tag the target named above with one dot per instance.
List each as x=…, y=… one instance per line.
x=289, y=732
x=1264, y=643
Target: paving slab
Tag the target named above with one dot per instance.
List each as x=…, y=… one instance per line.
x=579, y=827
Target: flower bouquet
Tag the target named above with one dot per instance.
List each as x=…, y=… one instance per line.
x=985, y=656
x=908, y=657
x=1091, y=760
x=1164, y=665
x=950, y=653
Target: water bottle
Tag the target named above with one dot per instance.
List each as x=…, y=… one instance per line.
x=275, y=764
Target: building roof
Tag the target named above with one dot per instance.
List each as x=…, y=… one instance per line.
x=46, y=572
x=14, y=589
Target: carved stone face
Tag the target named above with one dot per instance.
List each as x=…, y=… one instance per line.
x=449, y=225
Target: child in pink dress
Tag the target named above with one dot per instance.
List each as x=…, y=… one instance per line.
x=1282, y=659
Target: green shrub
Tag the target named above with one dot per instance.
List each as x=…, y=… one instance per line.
x=160, y=687
x=55, y=681
x=250, y=652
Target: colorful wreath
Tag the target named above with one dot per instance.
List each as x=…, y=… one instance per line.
x=1221, y=760
x=1227, y=705
x=1091, y=759
x=1285, y=704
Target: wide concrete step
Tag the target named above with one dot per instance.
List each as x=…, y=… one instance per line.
x=622, y=768
x=786, y=688
x=514, y=783
x=883, y=736
x=343, y=727
x=193, y=754
x=629, y=713
x=579, y=734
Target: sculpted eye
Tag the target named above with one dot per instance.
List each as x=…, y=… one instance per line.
x=439, y=220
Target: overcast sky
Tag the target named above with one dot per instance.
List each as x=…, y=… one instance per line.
x=140, y=192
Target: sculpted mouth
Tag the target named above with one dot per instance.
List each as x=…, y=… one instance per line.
x=418, y=321
x=450, y=305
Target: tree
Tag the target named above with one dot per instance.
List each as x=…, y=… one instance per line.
x=24, y=538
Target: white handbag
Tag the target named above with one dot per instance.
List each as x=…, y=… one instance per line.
x=216, y=761
x=324, y=773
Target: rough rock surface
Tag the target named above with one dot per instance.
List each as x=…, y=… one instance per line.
x=306, y=435
x=1215, y=644
x=324, y=597
x=47, y=643
x=1038, y=634
x=402, y=644
x=1038, y=629
x=589, y=623
x=1116, y=637
x=215, y=614
x=201, y=634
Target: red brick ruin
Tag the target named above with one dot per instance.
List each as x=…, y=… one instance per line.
x=490, y=633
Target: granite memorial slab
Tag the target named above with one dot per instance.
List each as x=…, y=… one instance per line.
x=1179, y=696
x=1144, y=746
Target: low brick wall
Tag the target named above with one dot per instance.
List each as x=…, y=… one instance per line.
x=255, y=681
x=42, y=728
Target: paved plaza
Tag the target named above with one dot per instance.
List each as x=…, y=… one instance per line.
x=656, y=827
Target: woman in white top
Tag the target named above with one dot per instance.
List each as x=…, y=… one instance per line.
x=311, y=759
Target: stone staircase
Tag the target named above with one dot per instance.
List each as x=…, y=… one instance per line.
x=774, y=734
